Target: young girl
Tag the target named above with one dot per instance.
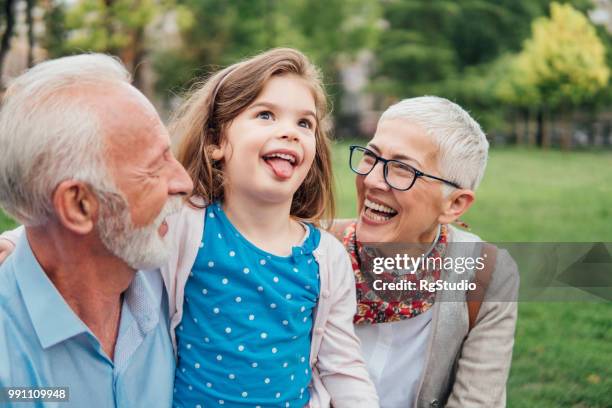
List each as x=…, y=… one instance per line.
x=261, y=299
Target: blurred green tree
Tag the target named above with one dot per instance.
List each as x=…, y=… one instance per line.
x=561, y=65
x=217, y=33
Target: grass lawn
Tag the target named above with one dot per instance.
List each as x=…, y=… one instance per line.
x=563, y=351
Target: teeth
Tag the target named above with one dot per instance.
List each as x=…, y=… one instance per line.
x=379, y=207
x=376, y=217
x=288, y=157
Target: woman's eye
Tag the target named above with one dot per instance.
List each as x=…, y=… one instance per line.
x=305, y=123
x=266, y=115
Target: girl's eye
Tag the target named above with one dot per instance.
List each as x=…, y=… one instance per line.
x=305, y=123
x=265, y=115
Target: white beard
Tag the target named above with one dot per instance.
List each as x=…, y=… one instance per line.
x=139, y=247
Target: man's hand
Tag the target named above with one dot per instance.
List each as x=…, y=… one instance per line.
x=6, y=248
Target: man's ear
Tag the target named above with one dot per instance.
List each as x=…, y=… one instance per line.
x=76, y=206
x=455, y=205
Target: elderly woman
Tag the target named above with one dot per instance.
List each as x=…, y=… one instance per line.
x=415, y=178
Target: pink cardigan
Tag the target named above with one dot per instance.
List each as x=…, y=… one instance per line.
x=339, y=373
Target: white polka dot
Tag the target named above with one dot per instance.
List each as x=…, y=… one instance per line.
x=245, y=394
x=304, y=319
x=275, y=279
x=303, y=359
x=198, y=406
x=285, y=364
x=181, y=327
x=201, y=245
x=246, y=270
x=274, y=350
x=301, y=390
x=205, y=291
x=251, y=317
x=195, y=319
x=254, y=365
x=206, y=340
x=288, y=296
x=197, y=365
x=310, y=261
x=211, y=215
x=221, y=402
x=219, y=236
x=188, y=346
x=228, y=330
x=277, y=395
x=190, y=387
x=224, y=281
x=211, y=264
x=302, y=309
x=262, y=261
x=263, y=335
x=273, y=305
x=287, y=405
x=292, y=377
x=306, y=371
x=241, y=348
x=216, y=310
x=307, y=287
x=285, y=322
x=183, y=370
x=294, y=337
x=209, y=385
x=232, y=253
x=295, y=270
x=267, y=381
x=260, y=288
x=231, y=376
x=219, y=357
x=191, y=273
x=238, y=299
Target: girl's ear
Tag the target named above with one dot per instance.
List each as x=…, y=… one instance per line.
x=215, y=152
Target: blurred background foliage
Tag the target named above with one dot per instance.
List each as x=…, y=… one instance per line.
x=531, y=71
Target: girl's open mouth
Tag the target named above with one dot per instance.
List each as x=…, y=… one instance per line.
x=282, y=164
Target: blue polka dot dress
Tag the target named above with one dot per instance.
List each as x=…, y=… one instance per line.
x=244, y=340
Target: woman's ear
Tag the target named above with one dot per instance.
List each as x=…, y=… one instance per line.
x=455, y=205
x=75, y=206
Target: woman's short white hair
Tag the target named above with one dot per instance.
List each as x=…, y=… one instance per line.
x=50, y=132
x=463, y=147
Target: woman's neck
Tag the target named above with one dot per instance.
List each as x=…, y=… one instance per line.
x=268, y=226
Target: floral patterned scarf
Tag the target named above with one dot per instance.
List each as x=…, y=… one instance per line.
x=371, y=308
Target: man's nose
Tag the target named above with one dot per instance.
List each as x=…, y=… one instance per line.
x=179, y=183
x=376, y=178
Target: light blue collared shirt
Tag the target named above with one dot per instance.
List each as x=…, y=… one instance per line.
x=43, y=343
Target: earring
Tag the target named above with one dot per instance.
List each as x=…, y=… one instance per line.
x=215, y=152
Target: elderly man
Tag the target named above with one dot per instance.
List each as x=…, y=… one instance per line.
x=86, y=166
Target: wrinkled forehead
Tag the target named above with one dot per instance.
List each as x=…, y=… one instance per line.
x=405, y=140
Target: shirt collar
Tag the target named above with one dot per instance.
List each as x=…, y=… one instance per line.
x=52, y=318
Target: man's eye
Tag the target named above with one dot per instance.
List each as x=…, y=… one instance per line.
x=305, y=123
x=265, y=115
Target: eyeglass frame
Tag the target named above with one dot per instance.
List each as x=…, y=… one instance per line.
x=417, y=173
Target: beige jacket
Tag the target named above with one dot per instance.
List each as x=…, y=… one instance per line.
x=339, y=373
x=469, y=368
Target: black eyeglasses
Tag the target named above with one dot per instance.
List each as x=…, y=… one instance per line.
x=398, y=175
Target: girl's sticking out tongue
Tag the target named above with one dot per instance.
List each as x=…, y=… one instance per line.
x=281, y=167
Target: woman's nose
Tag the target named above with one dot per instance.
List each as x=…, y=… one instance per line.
x=376, y=177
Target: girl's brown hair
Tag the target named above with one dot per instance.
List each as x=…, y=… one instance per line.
x=200, y=124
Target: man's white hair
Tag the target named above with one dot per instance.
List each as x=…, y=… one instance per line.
x=50, y=132
x=463, y=147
